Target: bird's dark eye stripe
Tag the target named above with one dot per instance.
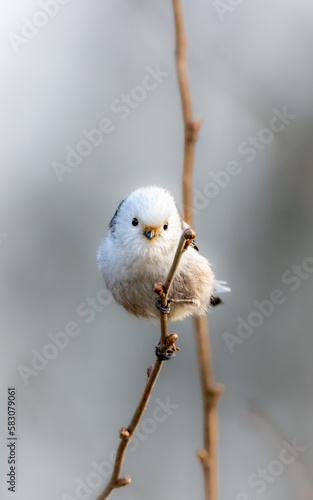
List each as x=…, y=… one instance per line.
x=135, y=222
x=165, y=226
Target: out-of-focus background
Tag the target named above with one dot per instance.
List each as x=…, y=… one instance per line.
x=90, y=110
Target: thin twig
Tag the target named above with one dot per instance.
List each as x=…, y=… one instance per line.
x=187, y=236
x=164, y=290
x=167, y=344
x=210, y=393
x=191, y=126
x=125, y=434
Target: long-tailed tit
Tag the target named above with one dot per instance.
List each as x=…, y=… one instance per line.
x=138, y=251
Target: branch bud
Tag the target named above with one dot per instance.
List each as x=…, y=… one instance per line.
x=124, y=434
x=171, y=339
x=149, y=370
x=189, y=233
x=192, y=130
x=158, y=288
x=123, y=481
x=203, y=456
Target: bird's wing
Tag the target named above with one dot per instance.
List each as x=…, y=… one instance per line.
x=112, y=221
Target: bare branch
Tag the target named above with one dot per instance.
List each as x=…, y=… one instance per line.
x=166, y=348
x=210, y=393
x=210, y=396
x=191, y=126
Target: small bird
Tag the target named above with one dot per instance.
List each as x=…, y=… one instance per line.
x=138, y=251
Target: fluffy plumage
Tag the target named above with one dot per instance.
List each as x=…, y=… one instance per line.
x=138, y=251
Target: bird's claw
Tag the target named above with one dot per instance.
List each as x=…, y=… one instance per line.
x=167, y=349
x=162, y=309
x=164, y=355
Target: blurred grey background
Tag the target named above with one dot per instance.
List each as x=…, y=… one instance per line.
x=65, y=77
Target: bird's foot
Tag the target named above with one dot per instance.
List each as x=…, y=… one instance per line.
x=164, y=355
x=161, y=308
x=168, y=350
x=184, y=301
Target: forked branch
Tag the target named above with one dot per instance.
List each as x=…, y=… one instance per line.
x=166, y=347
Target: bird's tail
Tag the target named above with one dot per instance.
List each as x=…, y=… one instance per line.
x=220, y=287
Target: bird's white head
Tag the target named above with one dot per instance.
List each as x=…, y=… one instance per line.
x=147, y=221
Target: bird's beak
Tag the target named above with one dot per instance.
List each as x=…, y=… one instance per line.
x=150, y=232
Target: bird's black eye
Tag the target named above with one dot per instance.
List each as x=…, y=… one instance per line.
x=165, y=226
x=135, y=222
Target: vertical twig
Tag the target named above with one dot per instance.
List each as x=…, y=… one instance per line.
x=210, y=396
x=191, y=126
x=210, y=392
